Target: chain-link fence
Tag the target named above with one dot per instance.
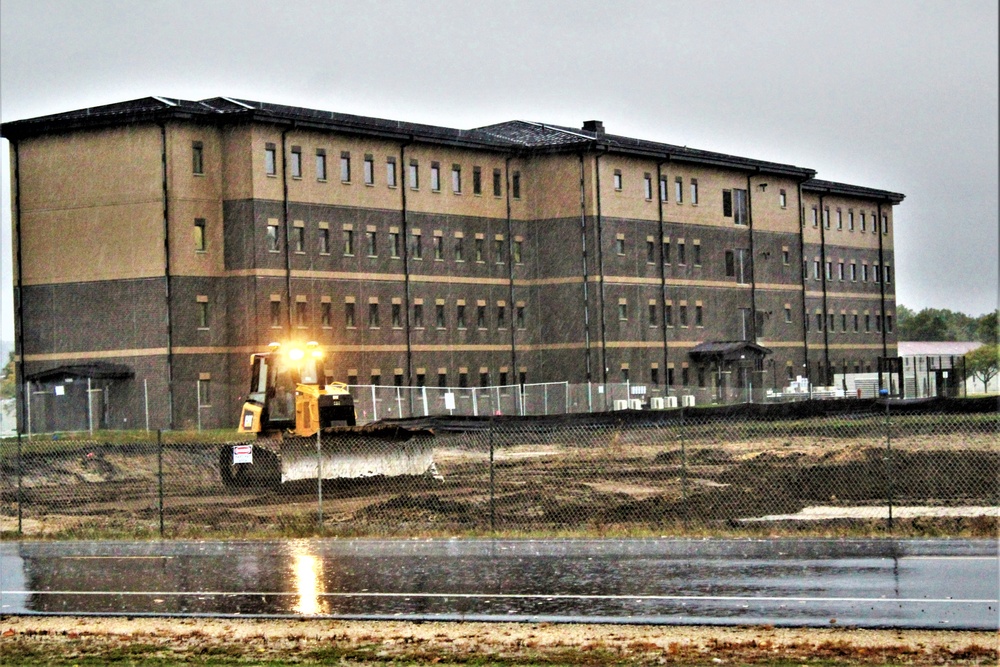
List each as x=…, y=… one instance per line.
x=857, y=465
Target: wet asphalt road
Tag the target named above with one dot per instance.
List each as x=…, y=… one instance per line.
x=879, y=583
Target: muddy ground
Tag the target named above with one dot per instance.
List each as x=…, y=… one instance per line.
x=595, y=482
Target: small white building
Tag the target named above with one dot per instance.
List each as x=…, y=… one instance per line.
x=936, y=368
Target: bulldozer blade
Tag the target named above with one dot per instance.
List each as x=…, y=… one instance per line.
x=354, y=453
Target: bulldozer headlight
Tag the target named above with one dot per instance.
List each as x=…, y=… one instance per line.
x=295, y=354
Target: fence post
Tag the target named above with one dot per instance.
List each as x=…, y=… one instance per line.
x=20, y=496
x=492, y=488
x=888, y=454
x=374, y=406
x=159, y=476
x=319, y=477
x=684, y=478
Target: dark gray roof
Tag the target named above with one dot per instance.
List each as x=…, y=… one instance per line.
x=97, y=370
x=517, y=136
x=727, y=349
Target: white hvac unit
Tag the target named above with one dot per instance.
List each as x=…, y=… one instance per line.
x=620, y=405
x=635, y=404
x=671, y=401
x=656, y=403
x=687, y=401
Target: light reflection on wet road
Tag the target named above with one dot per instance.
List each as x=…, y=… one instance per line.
x=912, y=583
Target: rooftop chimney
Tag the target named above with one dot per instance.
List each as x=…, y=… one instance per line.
x=594, y=126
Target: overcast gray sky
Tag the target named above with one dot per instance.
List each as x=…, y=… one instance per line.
x=894, y=95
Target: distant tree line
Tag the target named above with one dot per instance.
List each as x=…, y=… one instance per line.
x=940, y=324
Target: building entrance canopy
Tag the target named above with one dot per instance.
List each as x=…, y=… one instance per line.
x=728, y=351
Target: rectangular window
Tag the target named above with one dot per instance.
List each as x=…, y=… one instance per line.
x=850, y=221
x=373, y=322
x=652, y=315
x=843, y=322
x=345, y=167
x=372, y=239
x=369, y=168
x=435, y=177
x=741, y=214
x=349, y=321
x=438, y=247
x=480, y=250
x=515, y=184
x=647, y=186
x=830, y=324
x=394, y=244
x=439, y=316
x=620, y=244
x=481, y=316
x=397, y=316
x=463, y=379
x=681, y=253
x=888, y=323
x=696, y=248
x=275, y=314
x=301, y=314
x=840, y=270
x=679, y=190
x=868, y=323
x=885, y=224
x=864, y=273
x=819, y=321
x=782, y=199
x=815, y=216
x=197, y=158
x=694, y=192
x=683, y=315
x=442, y=379
x=320, y=164
x=484, y=379
x=390, y=172
x=854, y=272
x=272, y=238
x=299, y=239
x=650, y=252
x=518, y=246
x=618, y=179
x=887, y=270
x=501, y=316
x=460, y=316
x=786, y=256
x=199, y=235
x=519, y=315
x=203, y=313
x=855, y=318
x=727, y=203
x=324, y=240
x=414, y=175
x=829, y=270
x=456, y=179
x=418, y=316
x=416, y=247
x=271, y=160
x=864, y=222
x=666, y=252
x=668, y=314
x=685, y=376
x=376, y=379
x=663, y=188
x=496, y=183
x=816, y=269
x=878, y=323
x=460, y=249
x=623, y=310
x=325, y=314
x=840, y=219
x=296, y=162
x=498, y=250
x=730, y=264
x=348, y=241
x=826, y=217
x=788, y=313
x=699, y=316
x=421, y=380
x=477, y=181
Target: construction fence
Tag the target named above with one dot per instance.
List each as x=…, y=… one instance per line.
x=873, y=466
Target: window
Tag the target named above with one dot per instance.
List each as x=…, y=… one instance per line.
x=416, y=248
x=439, y=316
x=620, y=244
x=418, y=316
x=850, y=221
x=463, y=378
x=301, y=314
x=694, y=192
x=481, y=316
x=271, y=160
x=816, y=269
x=394, y=244
x=376, y=379
x=864, y=273
x=442, y=379
x=815, y=216
x=683, y=315
x=484, y=379
x=496, y=183
x=479, y=249
x=647, y=186
x=663, y=188
x=518, y=245
x=438, y=247
x=435, y=177
x=786, y=256
x=843, y=322
x=668, y=314
x=519, y=317
x=887, y=271
x=369, y=168
x=826, y=217
x=681, y=254
x=498, y=250
x=320, y=164
x=868, y=323
x=197, y=158
x=840, y=219
x=477, y=181
x=699, y=316
x=864, y=223
x=622, y=310
x=324, y=240
x=397, y=316
x=390, y=172
x=782, y=199
x=325, y=314
x=888, y=323
x=654, y=375
x=679, y=190
x=373, y=322
x=296, y=162
x=503, y=378
x=855, y=318
x=734, y=205
x=652, y=314
x=501, y=316
x=459, y=249
x=854, y=272
x=830, y=324
x=730, y=264
x=414, y=175
x=348, y=241
x=349, y=315
x=829, y=270
x=666, y=251
x=456, y=179
x=878, y=323
x=275, y=313
x=788, y=313
x=372, y=240
x=515, y=184
x=299, y=239
x=685, y=375
x=885, y=224
x=421, y=380
x=819, y=321
x=272, y=238
x=840, y=270
x=199, y=234
x=650, y=251
x=460, y=316
x=618, y=179
x=670, y=375
x=345, y=167
x=202, y=312
x=875, y=274
x=701, y=376
x=696, y=248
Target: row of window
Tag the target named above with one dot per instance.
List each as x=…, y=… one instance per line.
x=866, y=221
x=850, y=323
x=485, y=378
x=849, y=271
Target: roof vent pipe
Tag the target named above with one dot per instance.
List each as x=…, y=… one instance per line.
x=595, y=126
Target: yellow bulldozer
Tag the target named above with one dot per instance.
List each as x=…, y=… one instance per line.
x=305, y=428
